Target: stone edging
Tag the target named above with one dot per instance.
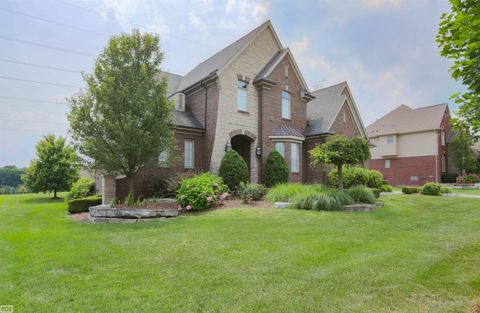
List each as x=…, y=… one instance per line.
x=107, y=214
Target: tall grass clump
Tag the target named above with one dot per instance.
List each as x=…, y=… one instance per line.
x=361, y=194
x=286, y=192
x=327, y=199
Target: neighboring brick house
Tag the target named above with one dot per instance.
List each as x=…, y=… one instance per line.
x=410, y=145
x=252, y=97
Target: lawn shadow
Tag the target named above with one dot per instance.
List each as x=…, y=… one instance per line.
x=42, y=200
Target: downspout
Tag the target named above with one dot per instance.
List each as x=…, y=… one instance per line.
x=205, y=120
x=260, y=134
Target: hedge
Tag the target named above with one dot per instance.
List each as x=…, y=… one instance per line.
x=83, y=204
x=233, y=170
x=276, y=169
x=410, y=190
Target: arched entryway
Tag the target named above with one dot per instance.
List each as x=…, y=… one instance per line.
x=243, y=144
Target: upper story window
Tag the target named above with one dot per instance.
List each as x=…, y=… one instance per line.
x=391, y=139
x=443, y=137
x=286, y=105
x=242, y=96
x=387, y=163
x=188, y=153
x=295, y=157
x=280, y=147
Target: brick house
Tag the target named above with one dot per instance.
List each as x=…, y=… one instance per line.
x=410, y=145
x=251, y=97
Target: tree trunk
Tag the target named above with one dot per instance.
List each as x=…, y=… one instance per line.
x=55, y=194
x=340, y=177
x=130, y=184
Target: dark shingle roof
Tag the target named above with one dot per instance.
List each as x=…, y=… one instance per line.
x=187, y=119
x=286, y=130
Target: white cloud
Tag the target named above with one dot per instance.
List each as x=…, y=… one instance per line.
x=376, y=4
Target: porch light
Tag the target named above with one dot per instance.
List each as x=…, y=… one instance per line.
x=258, y=151
x=228, y=146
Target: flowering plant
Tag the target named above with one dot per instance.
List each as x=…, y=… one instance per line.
x=201, y=192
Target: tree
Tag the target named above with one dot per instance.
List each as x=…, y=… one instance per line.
x=339, y=151
x=55, y=169
x=463, y=155
x=10, y=175
x=123, y=118
x=233, y=170
x=276, y=169
x=458, y=38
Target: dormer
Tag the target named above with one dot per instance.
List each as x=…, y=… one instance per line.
x=179, y=99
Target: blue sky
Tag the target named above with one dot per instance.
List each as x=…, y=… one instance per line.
x=385, y=49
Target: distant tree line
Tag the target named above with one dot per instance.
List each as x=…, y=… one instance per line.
x=11, y=180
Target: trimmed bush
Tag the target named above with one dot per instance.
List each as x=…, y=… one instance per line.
x=449, y=178
x=410, y=190
x=376, y=192
x=201, y=192
x=354, y=176
x=385, y=182
x=251, y=192
x=83, y=204
x=82, y=188
x=445, y=190
x=468, y=179
x=328, y=199
x=276, y=169
x=233, y=170
x=157, y=186
x=286, y=192
x=386, y=188
x=361, y=194
x=432, y=189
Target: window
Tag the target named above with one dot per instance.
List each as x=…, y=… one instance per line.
x=295, y=157
x=344, y=117
x=286, y=71
x=414, y=178
x=280, y=147
x=163, y=159
x=188, y=153
x=444, y=164
x=286, y=99
x=391, y=139
x=443, y=137
x=387, y=163
x=242, y=96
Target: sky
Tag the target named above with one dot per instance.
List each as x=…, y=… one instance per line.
x=385, y=49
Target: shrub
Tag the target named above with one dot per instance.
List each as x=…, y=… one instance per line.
x=276, y=169
x=233, y=170
x=83, y=204
x=432, y=189
x=286, y=192
x=361, y=194
x=445, y=190
x=354, y=176
x=376, y=192
x=82, y=188
x=385, y=182
x=449, y=178
x=157, y=186
x=468, y=179
x=129, y=200
x=410, y=190
x=201, y=192
x=251, y=192
x=386, y=188
x=328, y=199
x=173, y=182
x=113, y=202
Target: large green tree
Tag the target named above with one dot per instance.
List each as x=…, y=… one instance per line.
x=339, y=151
x=459, y=40
x=55, y=169
x=10, y=175
x=123, y=118
x=463, y=155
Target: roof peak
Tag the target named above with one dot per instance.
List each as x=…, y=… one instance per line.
x=336, y=85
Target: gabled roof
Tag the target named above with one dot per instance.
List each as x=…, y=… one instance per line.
x=322, y=110
x=404, y=119
x=173, y=81
x=222, y=58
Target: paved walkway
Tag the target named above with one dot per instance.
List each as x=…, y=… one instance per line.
x=445, y=194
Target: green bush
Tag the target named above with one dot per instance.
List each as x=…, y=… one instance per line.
x=445, y=190
x=82, y=188
x=83, y=204
x=385, y=182
x=410, y=190
x=354, y=176
x=233, y=170
x=286, y=192
x=361, y=194
x=251, y=192
x=449, y=178
x=468, y=179
x=276, y=169
x=327, y=199
x=432, y=189
x=129, y=200
x=386, y=188
x=376, y=192
x=201, y=192
x=157, y=186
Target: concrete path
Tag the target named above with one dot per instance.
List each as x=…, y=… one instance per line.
x=445, y=194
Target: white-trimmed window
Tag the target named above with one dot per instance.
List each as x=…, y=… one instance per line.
x=286, y=105
x=163, y=159
x=387, y=163
x=280, y=147
x=391, y=139
x=443, y=137
x=414, y=178
x=242, y=96
x=295, y=157
x=188, y=153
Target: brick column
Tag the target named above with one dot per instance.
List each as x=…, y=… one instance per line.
x=109, y=188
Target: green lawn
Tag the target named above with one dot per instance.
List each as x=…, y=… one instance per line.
x=417, y=254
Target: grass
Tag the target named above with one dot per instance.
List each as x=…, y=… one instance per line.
x=417, y=254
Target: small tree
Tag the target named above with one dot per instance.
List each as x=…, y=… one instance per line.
x=461, y=149
x=276, y=169
x=123, y=118
x=55, y=169
x=233, y=170
x=339, y=151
